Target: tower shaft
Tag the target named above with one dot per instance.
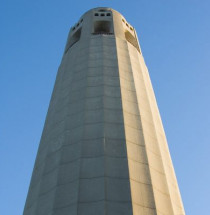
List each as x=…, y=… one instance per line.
x=103, y=150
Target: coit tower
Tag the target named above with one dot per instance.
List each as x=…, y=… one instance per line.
x=103, y=150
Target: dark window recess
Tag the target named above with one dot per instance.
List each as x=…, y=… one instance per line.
x=73, y=39
x=108, y=14
x=102, y=10
x=102, y=27
x=131, y=39
x=102, y=14
x=96, y=14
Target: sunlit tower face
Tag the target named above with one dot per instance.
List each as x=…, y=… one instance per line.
x=103, y=149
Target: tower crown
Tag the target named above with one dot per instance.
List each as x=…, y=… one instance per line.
x=102, y=21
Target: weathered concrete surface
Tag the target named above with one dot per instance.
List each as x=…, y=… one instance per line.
x=103, y=149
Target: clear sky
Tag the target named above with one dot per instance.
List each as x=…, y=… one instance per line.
x=175, y=41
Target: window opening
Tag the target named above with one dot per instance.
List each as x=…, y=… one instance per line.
x=102, y=27
x=102, y=14
x=73, y=39
x=132, y=39
x=96, y=14
x=108, y=14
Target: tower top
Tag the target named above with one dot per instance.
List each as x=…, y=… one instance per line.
x=102, y=9
x=102, y=21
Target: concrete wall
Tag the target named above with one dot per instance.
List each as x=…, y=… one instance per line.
x=103, y=149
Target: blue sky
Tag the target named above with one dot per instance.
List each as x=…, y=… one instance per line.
x=175, y=41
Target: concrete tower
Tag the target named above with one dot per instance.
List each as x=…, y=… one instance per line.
x=103, y=150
